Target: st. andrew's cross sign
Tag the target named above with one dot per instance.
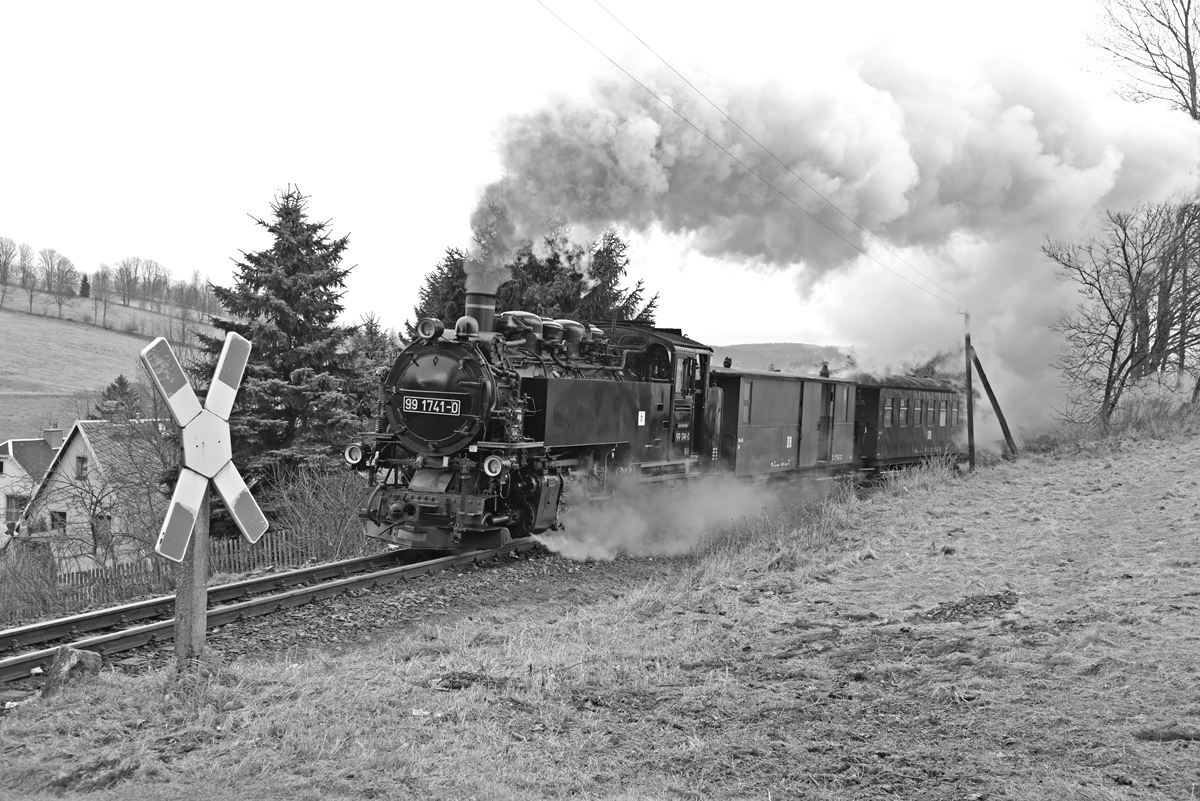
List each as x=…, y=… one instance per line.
x=207, y=453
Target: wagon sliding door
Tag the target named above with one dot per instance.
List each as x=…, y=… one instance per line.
x=810, y=423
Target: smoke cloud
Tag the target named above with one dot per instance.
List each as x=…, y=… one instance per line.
x=657, y=523
x=962, y=177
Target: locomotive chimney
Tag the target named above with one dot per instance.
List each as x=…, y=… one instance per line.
x=482, y=306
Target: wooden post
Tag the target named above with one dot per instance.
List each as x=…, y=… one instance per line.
x=970, y=396
x=191, y=594
x=1008, y=437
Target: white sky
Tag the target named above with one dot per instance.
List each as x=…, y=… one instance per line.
x=155, y=129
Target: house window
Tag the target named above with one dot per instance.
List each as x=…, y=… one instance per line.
x=942, y=414
x=81, y=467
x=903, y=412
x=887, y=412
x=1, y=467
x=58, y=521
x=13, y=506
x=918, y=411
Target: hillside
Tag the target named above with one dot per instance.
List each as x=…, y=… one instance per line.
x=1024, y=632
x=788, y=357
x=50, y=369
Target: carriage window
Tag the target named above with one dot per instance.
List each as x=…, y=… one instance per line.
x=887, y=412
x=942, y=414
x=903, y=412
x=746, y=392
x=954, y=415
x=686, y=376
x=930, y=410
x=844, y=400
x=918, y=411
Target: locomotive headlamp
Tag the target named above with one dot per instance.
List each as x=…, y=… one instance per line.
x=353, y=454
x=494, y=466
x=430, y=328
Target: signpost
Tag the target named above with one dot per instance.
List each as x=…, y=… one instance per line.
x=207, y=459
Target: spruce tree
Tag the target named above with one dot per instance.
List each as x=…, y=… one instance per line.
x=85, y=287
x=564, y=281
x=293, y=407
x=119, y=400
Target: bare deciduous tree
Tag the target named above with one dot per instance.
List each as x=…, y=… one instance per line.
x=1138, y=314
x=8, y=263
x=59, y=275
x=27, y=270
x=102, y=288
x=155, y=280
x=1156, y=40
x=127, y=276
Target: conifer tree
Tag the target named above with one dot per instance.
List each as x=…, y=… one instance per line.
x=564, y=281
x=119, y=400
x=293, y=407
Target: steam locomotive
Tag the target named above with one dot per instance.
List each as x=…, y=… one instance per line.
x=496, y=429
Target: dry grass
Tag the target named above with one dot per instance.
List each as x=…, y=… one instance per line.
x=36, y=391
x=1016, y=633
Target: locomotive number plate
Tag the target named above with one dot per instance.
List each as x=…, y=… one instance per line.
x=432, y=404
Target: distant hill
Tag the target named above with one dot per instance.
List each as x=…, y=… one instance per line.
x=787, y=357
x=51, y=370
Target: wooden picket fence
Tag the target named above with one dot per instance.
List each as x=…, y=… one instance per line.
x=57, y=593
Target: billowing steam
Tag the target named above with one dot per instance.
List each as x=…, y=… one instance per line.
x=657, y=523
x=961, y=177
x=913, y=159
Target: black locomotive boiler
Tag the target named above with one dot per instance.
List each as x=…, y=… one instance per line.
x=495, y=429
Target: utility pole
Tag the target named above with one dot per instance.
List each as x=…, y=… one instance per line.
x=970, y=394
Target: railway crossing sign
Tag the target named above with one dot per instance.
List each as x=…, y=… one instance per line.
x=207, y=453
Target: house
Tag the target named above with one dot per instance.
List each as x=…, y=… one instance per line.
x=99, y=503
x=23, y=463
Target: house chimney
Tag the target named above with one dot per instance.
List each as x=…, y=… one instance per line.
x=53, y=437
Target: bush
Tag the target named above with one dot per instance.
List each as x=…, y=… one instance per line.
x=28, y=586
x=318, y=505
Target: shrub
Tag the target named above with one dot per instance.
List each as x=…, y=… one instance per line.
x=318, y=505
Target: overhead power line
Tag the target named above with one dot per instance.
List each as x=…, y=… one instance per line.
x=750, y=169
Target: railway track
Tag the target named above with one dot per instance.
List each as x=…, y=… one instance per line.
x=334, y=579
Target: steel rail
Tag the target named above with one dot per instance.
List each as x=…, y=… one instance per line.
x=19, y=667
x=74, y=625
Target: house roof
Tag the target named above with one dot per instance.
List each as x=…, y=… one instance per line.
x=35, y=455
x=109, y=444
x=910, y=382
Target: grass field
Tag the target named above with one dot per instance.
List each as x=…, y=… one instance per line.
x=51, y=369
x=1026, y=632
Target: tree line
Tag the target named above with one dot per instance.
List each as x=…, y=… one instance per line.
x=131, y=280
